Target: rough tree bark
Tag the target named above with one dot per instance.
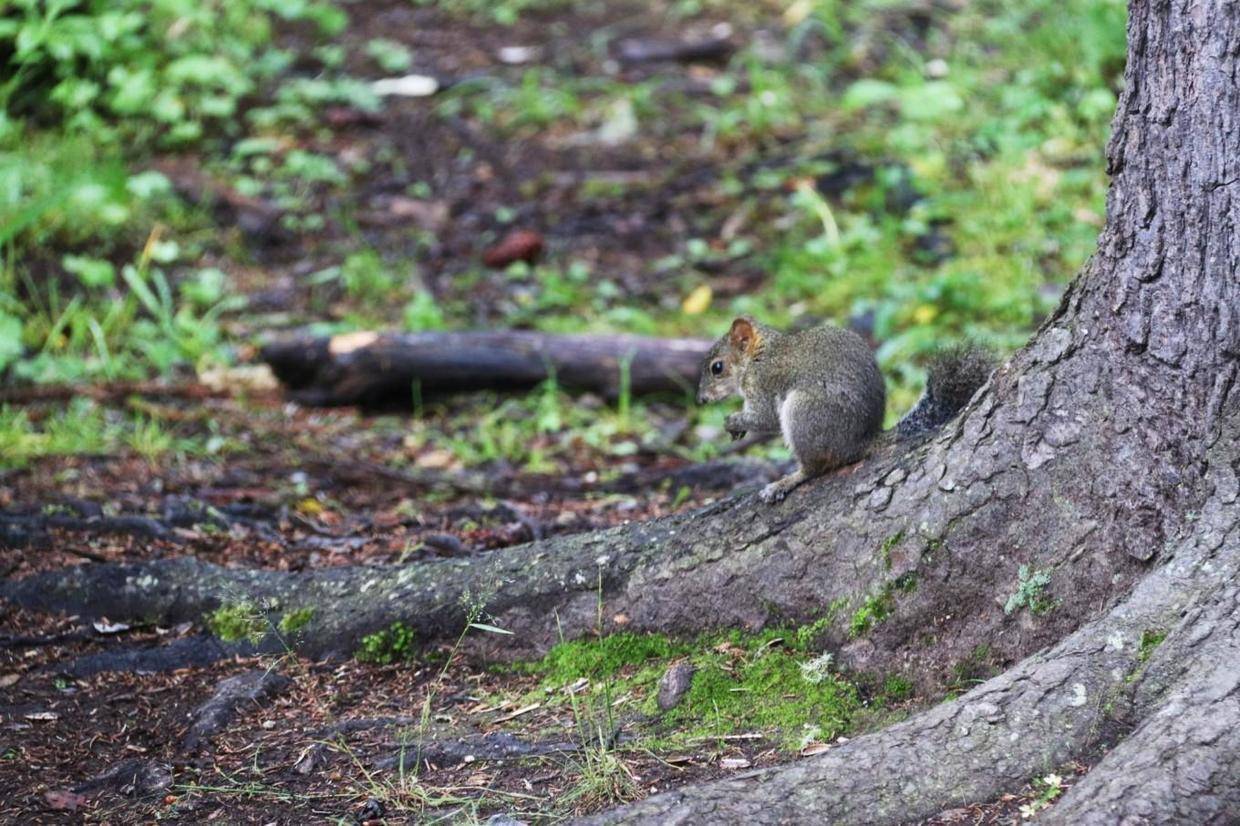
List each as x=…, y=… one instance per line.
x=1106, y=453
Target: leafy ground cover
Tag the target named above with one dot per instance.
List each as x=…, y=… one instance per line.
x=180, y=180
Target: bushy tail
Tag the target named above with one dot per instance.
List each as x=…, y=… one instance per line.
x=954, y=376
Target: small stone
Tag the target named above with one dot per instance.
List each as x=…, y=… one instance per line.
x=673, y=684
x=516, y=55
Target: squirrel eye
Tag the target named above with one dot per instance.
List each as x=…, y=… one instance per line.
x=717, y=368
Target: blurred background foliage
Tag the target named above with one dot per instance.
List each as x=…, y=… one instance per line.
x=179, y=178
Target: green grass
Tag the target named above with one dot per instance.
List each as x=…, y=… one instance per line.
x=85, y=428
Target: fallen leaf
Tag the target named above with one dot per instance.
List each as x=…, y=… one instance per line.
x=697, y=301
x=310, y=507
x=110, y=627
x=43, y=715
x=7, y=680
x=518, y=245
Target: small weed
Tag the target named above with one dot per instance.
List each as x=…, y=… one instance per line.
x=1047, y=789
x=1030, y=592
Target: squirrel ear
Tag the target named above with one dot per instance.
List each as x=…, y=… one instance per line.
x=742, y=334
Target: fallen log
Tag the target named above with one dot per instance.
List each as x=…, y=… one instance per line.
x=373, y=368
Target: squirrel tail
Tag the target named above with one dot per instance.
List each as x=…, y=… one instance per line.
x=955, y=374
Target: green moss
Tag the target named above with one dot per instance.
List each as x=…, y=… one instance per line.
x=896, y=689
x=1150, y=639
x=236, y=621
x=878, y=606
x=604, y=657
x=294, y=621
x=764, y=690
x=390, y=645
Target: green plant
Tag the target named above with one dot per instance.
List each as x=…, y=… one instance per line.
x=236, y=621
x=392, y=644
x=1030, y=592
x=1150, y=639
x=1047, y=789
x=150, y=70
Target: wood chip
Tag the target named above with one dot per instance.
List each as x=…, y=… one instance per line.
x=734, y=763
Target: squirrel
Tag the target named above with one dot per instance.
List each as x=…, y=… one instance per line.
x=821, y=389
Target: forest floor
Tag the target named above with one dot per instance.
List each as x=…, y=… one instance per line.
x=99, y=718
x=699, y=184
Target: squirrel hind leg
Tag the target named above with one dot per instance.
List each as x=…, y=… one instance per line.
x=822, y=432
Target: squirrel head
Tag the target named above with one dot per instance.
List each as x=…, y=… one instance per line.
x=727, y=360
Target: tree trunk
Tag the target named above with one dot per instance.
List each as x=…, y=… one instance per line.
x=1104, y=454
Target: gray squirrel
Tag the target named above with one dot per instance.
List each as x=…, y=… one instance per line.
x=821, y=389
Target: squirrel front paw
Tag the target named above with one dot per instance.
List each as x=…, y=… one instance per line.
x=734, y=427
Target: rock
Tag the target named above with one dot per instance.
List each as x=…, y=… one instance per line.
x=518, y=245
x=250, y=688
x=372, y=810
x=673, y=684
